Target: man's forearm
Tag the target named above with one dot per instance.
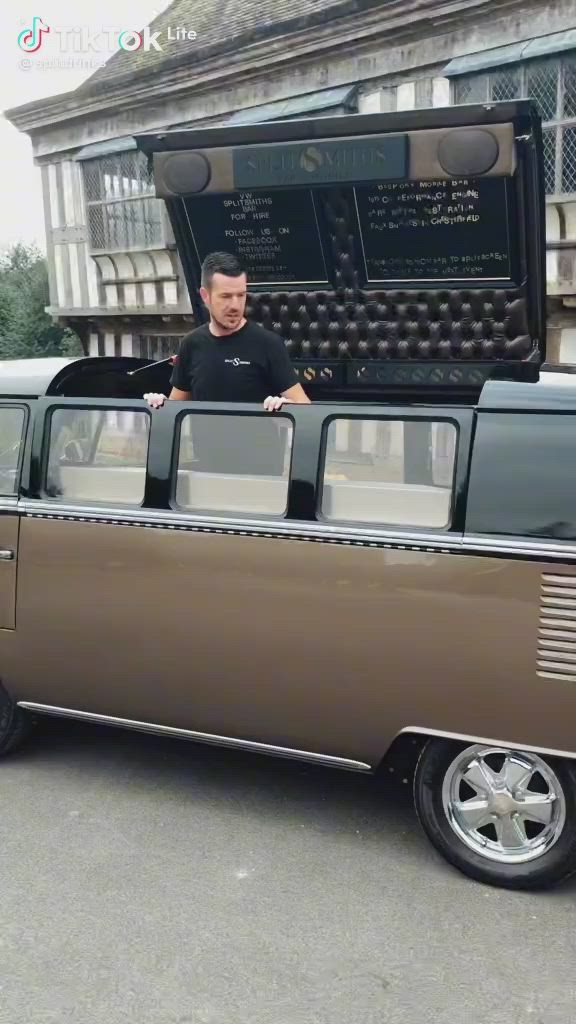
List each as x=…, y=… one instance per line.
x=176, y=395
x=296, y=395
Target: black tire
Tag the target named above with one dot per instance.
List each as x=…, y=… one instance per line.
x=15, y=724
x=548, y=869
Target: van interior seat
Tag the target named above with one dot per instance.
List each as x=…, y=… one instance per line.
x=346, y=501
x=392, y=504
x=231, y=493
x=123, y=484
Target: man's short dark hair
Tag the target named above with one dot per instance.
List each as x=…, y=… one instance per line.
x=220, y=263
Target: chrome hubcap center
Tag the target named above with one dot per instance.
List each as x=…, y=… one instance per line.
x=502, y=803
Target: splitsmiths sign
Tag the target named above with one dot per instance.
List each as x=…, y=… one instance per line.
x=321, y=163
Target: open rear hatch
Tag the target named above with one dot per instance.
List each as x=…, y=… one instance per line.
x=394, y=253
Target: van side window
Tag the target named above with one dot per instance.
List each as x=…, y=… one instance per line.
x=231, y=463
x=97, y=455
x=389, y=472
x=523, y=476
x=12, y=421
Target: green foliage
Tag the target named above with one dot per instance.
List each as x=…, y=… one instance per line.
x=26, y=330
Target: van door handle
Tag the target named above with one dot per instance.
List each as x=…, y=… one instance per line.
x=6, y=555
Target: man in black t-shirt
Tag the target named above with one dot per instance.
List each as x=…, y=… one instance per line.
x=231, y=360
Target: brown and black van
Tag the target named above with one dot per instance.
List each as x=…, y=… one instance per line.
x=409, y=578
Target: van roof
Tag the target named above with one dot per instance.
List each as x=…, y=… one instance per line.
x=32, y=378
x=553, y=390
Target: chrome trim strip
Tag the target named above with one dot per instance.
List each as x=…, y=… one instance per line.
x=519, y=546
x=558, y=677
x=558, y=645
x=560, y=634
x=567, y=592
x=546, y=661
x=448, y=543
x=557, y=624
x=550, y=603
x=292, y=529
x=488, y=741
x=199, y=737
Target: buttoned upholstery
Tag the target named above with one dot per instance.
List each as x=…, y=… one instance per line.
x=421, y=325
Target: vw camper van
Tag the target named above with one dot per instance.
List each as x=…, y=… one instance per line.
x=408, y=579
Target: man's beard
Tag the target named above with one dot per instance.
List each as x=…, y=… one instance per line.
x=228, y=327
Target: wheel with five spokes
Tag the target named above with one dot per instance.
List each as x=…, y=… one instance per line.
x=505, y=817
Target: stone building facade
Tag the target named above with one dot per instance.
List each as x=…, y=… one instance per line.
x=115, y=276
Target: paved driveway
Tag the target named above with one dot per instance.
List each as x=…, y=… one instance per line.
x=147, y=881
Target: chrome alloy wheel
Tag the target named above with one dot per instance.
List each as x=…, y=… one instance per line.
x=506, y=805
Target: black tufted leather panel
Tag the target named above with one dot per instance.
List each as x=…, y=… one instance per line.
x=354, y=323
x=407, y=325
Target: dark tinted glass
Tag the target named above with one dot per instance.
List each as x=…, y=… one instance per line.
x=523, y=479
x=11, y=437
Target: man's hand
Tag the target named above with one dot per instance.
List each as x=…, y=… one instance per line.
x=271, y=404
x=275, y=402
x=154, y=400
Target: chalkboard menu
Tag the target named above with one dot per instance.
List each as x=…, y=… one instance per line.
x=435, y=230
x=275, y=234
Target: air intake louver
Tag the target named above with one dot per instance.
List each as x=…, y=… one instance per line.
x=557, y=634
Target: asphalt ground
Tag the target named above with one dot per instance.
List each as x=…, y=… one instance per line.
x=152, y=881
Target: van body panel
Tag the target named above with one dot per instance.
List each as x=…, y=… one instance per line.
x=9, y=527
x=324, y=647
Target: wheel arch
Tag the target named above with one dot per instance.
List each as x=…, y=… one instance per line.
x=414, y=737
